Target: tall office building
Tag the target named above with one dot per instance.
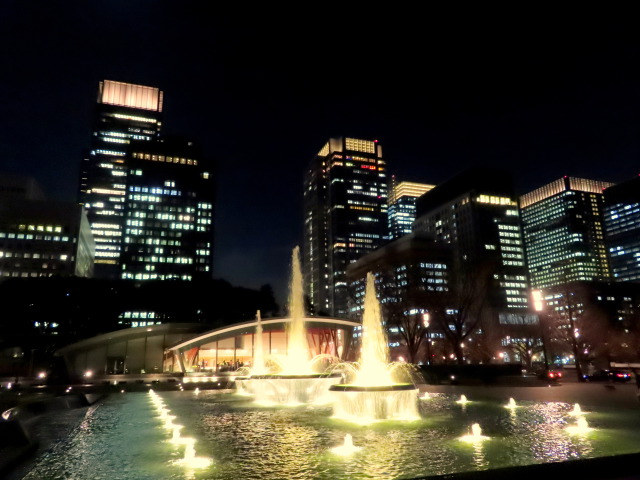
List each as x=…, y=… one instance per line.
x=402, y=206
x=622, y=229
x=477, y=213
x=39, y=237
x=564, y=232
x=345, y=203
x=168, y=229
x=124, y=112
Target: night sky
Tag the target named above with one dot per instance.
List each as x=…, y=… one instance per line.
x=541, y=94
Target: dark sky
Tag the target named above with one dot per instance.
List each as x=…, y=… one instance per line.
x=539, y=93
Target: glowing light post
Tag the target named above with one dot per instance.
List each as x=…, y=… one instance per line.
x=538, y=306
x=425, y=321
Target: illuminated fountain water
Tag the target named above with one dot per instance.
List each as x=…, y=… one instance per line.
x=577, y=411
x=291, y=379
x=511, y=404
x=374, y=393
x=581, y=427
x=347, y=448
x=475, y=435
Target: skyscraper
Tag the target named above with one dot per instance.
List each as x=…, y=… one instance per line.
x=402, y=206
x=564, y=232
x=345, y=205
x=168, y=229
x=124, y=112
x=476, y=212
x=622, y=229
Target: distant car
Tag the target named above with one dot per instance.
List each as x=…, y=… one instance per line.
x=613, y=375
x=551, y=374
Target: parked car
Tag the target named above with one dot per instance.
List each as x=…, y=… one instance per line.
x=612, y=374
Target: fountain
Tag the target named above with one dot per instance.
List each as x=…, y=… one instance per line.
x=246, y=441
x=291, y=379
x=577, y=411
x=581, y=427
x=189, y=459
x=347, y=448
x=511, y=404
x=475, y=435
x=374, y=394
x=463, y=400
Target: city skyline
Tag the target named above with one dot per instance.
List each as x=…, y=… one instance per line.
x=542, y=104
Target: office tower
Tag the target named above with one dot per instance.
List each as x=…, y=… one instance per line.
x=564, y=233
x=41, y=238
x=168, y=229
x=124, y=112
x=477, y=213
x=402, y=206
x=622, y=229
x=345, y=205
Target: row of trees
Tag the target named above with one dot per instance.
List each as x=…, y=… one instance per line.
x=580, y=324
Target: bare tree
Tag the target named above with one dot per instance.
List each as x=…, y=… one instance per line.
x=458, y=312
x=576, y=325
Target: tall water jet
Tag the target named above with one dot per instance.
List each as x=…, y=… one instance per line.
x=295, y=382
x=258, y=367
x=374, y=356
x=297, y=360
x=374, y=394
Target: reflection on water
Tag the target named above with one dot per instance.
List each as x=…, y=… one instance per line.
x=122, y=440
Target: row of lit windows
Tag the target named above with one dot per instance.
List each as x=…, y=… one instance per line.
x=173, y=243
x=45, y=256
x=107, y=233
x=41, y=228
x=154, y=190
x=163, y=158
x=160, y=259
x=30, y=236
x=494, y=200
x=153, y=276
x=135, y=118
x=14, y=274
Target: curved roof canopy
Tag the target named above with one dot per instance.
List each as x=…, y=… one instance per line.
x=267, y=325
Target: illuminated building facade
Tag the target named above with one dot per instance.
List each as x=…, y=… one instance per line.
x=345, y=205
x=564, y=232
x=40, y=238
x=622, y=228
x=124, y=112
x=407, y=270
x=402, y=206
x=168, y=207
x=477, y=214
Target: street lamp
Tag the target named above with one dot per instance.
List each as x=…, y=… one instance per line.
x=538, y=305
x=425, y=321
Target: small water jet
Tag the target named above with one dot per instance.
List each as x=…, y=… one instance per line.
x=463, y=400
x=511, y=404
x=581, y=427
x=175, y=437
x=347, y=448
x=294, y=381
x=475, y=435
x=577, y=411
x=190, y=460
x=374, y=394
